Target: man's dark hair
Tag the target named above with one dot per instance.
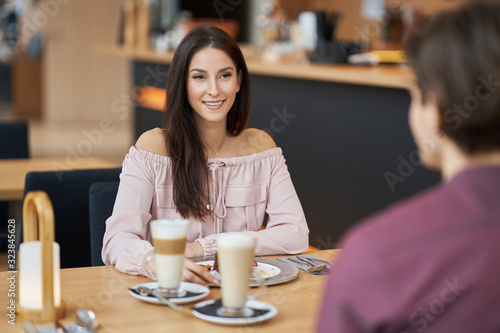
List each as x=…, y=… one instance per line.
x=456, y=56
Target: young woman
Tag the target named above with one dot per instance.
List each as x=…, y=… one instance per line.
x=205, y=166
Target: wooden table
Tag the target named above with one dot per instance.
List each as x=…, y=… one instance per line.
x=105, y=291
x=13, y=171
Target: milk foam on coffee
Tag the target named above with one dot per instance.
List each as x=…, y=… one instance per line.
x=168, y=229
x=169, y=240
x=235, y=255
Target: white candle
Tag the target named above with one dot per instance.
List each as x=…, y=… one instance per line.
x=30, y=275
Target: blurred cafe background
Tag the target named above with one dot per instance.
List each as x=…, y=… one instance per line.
x=328, y=84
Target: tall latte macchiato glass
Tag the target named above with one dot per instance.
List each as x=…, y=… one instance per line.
x=235, y=253
x=169, y=240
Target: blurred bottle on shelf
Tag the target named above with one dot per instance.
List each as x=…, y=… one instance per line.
x=135, y=24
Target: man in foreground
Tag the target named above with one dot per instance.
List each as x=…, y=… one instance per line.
x=431, y=263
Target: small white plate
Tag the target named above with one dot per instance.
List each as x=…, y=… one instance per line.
x=265, y=270
x=188, y=286
x=274, y=271
x=238, y=321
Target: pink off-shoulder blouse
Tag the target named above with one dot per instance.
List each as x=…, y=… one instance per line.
x=243, y=189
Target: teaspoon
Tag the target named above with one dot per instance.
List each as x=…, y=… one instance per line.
x=145, y=291
x=87, y=318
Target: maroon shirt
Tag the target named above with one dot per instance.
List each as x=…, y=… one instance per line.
x=429, y=264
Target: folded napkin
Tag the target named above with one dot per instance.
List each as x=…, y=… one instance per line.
x=303, y=266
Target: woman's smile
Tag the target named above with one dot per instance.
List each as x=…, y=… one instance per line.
x=213, y=105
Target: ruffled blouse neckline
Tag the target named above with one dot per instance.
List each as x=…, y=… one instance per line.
x=237, y=160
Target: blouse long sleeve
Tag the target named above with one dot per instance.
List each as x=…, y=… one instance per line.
x=125, y=241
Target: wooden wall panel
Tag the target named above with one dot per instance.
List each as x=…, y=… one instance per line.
x=78, y=84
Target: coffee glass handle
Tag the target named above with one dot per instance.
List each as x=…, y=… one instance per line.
x=256, y=276
x=145, y=264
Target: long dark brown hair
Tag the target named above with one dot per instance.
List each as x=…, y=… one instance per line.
x=183, y=141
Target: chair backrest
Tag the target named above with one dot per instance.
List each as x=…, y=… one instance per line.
x=101, y=202
x=13, y=144
x=14, y=139
x=69, y=193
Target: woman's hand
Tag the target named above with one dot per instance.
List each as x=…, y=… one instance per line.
x=191, y=272
x=195, y=273
x=193, y=250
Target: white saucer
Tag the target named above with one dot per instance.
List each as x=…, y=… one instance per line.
x=188, y=286
x=237, y=321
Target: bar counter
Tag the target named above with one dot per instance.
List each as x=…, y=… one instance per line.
x=390, y=76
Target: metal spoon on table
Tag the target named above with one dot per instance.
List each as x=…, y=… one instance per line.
x=319, y=268
x=86, y=318
x=313, y=268
x=145, y=291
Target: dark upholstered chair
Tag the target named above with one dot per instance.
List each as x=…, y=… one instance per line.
x=101, y=202
x=14, y=139
x=69, y=193
x=13, y=144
